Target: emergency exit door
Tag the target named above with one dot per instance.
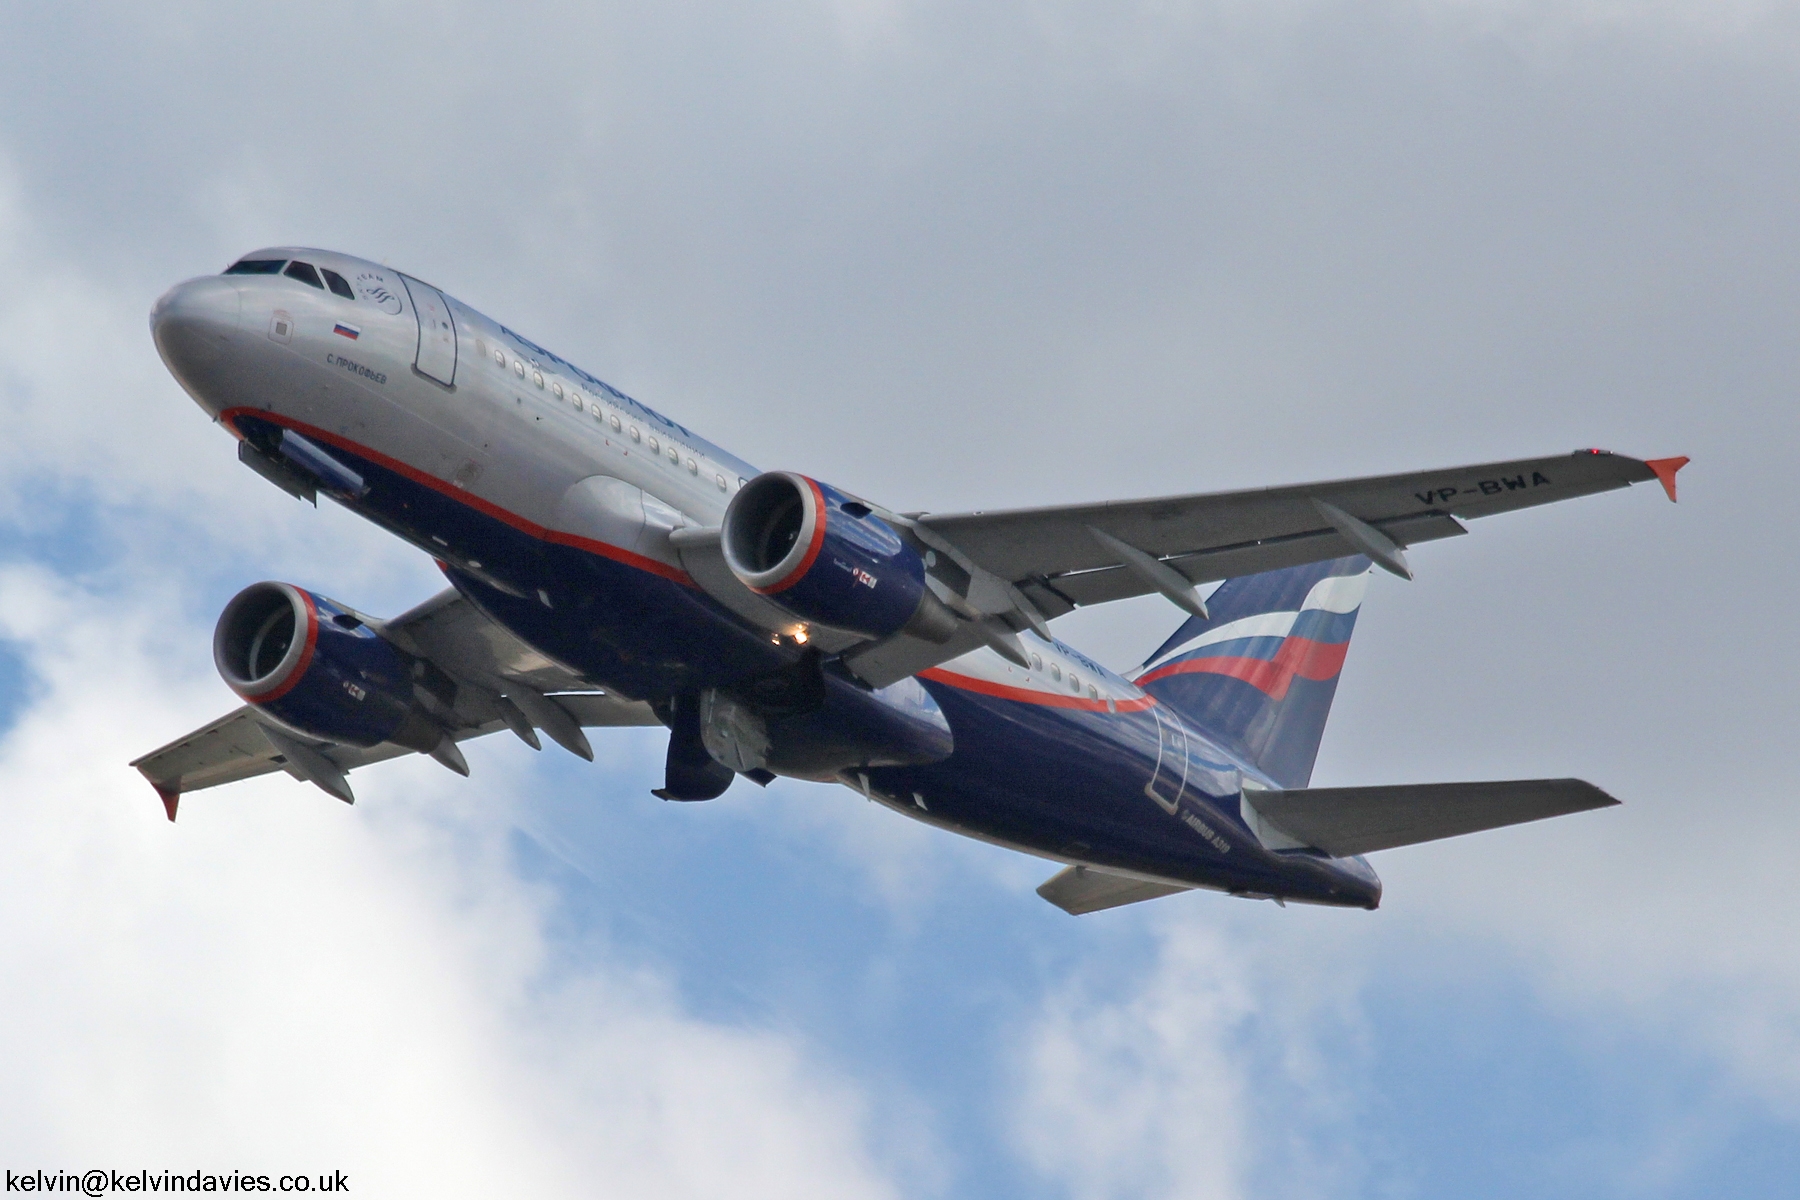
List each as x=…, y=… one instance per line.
x=437, y=332
x=1169, y=779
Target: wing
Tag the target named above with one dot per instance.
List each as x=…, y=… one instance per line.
x=1053, y=557
x=500, y=683
x=1013, y=570
x=237, y=746
x=1006, y=572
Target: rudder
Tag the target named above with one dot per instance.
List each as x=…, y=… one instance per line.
x=1258, y=675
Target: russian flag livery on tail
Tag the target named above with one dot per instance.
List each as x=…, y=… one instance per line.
x=1259, y=672
x=608, y=566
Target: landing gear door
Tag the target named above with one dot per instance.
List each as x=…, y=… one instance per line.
x=437, y=332
x=1170, y=778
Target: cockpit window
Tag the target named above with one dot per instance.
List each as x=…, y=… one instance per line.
x=304, y=273
x=337, y=283
x=256, y=266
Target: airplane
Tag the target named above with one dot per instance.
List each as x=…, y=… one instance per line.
x=609, y=567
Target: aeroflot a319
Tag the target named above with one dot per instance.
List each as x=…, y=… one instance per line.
x=609, y=567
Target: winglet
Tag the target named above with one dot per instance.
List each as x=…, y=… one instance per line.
x=1664, y=469
x=171, y=796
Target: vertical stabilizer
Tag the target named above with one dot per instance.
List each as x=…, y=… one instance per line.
x=1257, y=674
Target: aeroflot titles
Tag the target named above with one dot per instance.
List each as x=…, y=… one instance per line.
x=604, y=387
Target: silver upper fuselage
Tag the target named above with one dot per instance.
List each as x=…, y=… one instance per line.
x=517, y=432
x=277, y=344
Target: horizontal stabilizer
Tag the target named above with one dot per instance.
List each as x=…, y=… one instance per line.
x=1359, y=820
x=1079, y=890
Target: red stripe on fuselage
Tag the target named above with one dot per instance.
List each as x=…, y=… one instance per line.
x=529, y=528
x=1298, y=656
x=1004, y=691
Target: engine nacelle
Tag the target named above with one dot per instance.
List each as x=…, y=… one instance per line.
x=823, y=556
x=314, y=666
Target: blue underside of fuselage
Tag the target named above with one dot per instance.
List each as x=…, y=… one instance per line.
x=1070, y=784
x=1064, y=782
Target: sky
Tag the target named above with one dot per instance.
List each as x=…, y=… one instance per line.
x=948, y=256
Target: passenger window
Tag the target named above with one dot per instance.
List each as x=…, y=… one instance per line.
x=1055, y=671
x=615, y=418
x=337, y=283
x=500, y=357
x=721, y=480
x=304, y=273
x=256, y=266
x=1037, y=664
x=693, y=467
x=654, y=446
x=675, y=455
x=519, y=368
x=635, y=435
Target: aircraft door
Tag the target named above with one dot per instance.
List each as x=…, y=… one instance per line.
x=1170, y=778
x=437, y=331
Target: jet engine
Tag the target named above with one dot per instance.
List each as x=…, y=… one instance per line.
x=825, y=556
x=316, y=667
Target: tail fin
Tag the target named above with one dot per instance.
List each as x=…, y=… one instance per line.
x=1258, y=675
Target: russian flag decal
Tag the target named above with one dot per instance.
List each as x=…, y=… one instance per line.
x=349, y=331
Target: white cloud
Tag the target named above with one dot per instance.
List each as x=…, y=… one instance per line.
x=1227, y=1065
x=1235, y=1061
x=1667, y=924
x=1143, y=1094
x=279, y=983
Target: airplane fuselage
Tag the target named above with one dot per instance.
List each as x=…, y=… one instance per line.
x=549, y=497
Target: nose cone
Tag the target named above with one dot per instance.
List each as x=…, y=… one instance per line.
x=194, y=325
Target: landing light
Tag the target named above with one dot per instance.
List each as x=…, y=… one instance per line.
x=800, y=636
